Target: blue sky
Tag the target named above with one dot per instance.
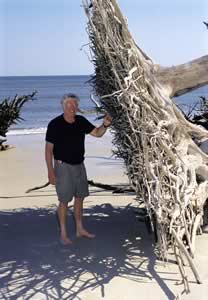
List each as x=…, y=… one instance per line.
x=44, y=37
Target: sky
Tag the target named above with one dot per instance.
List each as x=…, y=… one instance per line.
x=45, y=37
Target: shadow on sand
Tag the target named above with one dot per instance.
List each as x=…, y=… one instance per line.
x=33, y=264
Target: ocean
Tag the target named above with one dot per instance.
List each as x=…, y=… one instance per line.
x=36, y=114
x=46, y=106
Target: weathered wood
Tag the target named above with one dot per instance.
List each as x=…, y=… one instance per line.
x=157, y=144
x=181, y=79
x=185, y=252
x=181, y=269
x=109, y=187
x=38, y=187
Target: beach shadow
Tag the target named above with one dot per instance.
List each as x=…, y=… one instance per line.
x=34, y=264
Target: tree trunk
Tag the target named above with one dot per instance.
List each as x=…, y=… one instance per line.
x=166, y=168
x=184, y=78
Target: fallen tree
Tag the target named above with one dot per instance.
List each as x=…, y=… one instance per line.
x=160, y=148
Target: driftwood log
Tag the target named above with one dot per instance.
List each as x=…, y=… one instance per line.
x=160, y=148
x=114, y=188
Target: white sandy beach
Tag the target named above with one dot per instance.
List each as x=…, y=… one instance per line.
x=118, y=264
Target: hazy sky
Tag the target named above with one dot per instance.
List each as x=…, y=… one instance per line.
x=44, y=37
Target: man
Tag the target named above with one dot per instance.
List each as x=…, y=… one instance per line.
x=64, y=154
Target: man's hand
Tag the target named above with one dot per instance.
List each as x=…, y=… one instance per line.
x=107, y=120
x=99, y=131
x=52, y=177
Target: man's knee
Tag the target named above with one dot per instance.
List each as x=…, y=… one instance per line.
x=78, y=198
x=63, y=204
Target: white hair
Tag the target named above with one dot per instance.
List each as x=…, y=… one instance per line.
x=66, y=97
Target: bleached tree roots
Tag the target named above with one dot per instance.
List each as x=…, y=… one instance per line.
x=159, y=146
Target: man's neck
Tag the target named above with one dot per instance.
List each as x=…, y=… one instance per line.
x=69, y=119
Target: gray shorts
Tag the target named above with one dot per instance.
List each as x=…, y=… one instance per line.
x=71, y=181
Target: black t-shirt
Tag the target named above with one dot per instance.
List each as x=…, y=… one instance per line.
x=68, y=138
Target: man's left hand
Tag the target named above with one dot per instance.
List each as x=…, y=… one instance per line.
x=107, y=120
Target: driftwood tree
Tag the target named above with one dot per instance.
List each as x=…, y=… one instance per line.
x=165, y=165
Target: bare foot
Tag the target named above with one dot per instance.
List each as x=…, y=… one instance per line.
x=65, y=241
x=86, y=234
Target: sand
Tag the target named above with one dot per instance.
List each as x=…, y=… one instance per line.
x=119, y=264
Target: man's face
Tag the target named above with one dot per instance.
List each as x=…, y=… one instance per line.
x=71, y=107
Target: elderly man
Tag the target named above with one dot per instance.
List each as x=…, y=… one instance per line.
x=64, y=154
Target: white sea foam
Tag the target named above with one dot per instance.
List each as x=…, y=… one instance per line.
x=27, y=131
x=30, y=131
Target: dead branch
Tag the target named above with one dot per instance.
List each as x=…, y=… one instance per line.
x=115, y=189
x=184, y=78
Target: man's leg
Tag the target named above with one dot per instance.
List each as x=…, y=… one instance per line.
x=78, y=215
x=62, y=215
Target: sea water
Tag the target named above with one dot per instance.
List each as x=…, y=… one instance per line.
x=37, y=113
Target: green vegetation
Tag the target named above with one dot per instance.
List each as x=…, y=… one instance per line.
x=10, y=110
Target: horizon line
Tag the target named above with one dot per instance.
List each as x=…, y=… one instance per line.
x=45, y=75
